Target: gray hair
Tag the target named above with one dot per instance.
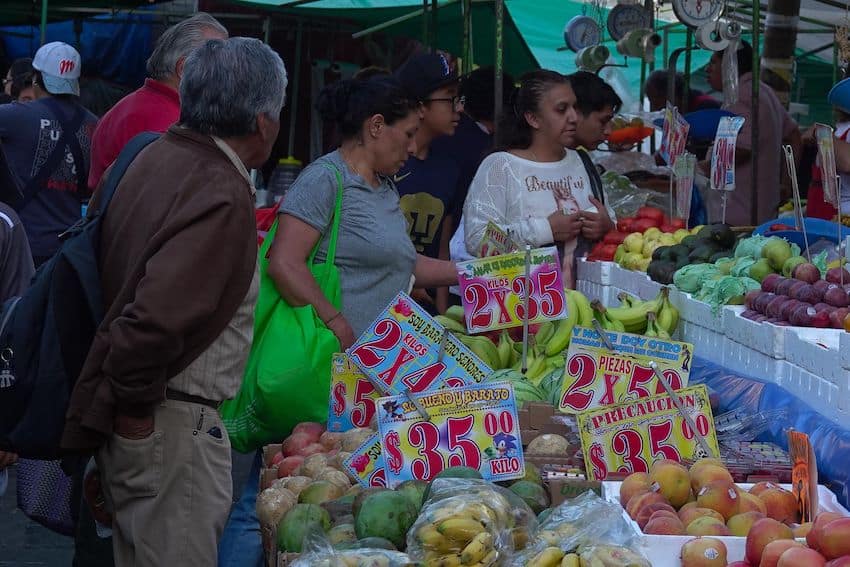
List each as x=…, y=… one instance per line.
x=179, y=41
x=226, y=84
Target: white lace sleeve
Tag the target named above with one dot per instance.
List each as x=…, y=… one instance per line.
x=493, y=196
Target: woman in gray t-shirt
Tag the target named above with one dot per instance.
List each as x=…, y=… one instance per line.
x=374, y=255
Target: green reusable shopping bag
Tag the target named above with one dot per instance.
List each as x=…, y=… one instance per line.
x=288, y=374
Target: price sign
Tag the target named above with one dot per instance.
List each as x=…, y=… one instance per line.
x=494, y=242
x=826, y=154
x=628, y=438
x=674, y=135
x=493, y=290
x=723, y=153
x=400, y=351
x=595, y=376
x=683, y=170
x=352, y=402
x=475, y=426
x=366, y=464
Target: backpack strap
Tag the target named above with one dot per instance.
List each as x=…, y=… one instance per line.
x=66, y=138
x=593, y=174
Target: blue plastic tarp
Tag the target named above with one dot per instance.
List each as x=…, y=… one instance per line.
x=112, y=48
x=831, y=442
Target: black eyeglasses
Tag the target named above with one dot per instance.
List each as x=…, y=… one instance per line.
x=456, y=101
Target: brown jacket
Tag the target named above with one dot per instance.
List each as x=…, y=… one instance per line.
x=178, y=250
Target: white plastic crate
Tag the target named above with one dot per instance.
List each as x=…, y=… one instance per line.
x=596, y=272
x=650, y=289
x=628, y=280
x=708, y=343
x=819, y=393
x=816, y=351
x=695, y=311
x=747, y=361
x=762, y=337
x=844, y=349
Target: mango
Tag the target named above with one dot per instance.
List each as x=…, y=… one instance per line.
x=762, y=532
x=387, y=514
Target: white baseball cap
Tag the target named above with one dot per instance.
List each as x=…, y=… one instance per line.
x=59, y=64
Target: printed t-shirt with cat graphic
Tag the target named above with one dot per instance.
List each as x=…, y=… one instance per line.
x=518, y=195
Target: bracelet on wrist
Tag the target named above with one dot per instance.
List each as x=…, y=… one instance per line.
x=337, y=314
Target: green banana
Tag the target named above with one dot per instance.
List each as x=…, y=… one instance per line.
x=450, y=324
x=668, y=315
x=455, y=312
x=544, y=332
x=627, y=300
x=633, y=318
x=505, y=348
x=483, y=348
x=585, y=313
x=601, y=314
x=537, y=369
x=564, y=330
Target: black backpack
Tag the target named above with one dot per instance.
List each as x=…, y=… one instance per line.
x=45, y=334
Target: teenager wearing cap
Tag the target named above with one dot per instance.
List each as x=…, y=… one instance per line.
x=428, y=181
x=47, y=142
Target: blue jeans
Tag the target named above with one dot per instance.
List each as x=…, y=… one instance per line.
x=241, y=544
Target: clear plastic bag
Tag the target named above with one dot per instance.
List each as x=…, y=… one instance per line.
x=730, y=73
x=330, y=557
x=611, y=556
x=587, y=520
x=470, y=521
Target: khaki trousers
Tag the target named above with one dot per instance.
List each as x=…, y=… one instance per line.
x=170, y=493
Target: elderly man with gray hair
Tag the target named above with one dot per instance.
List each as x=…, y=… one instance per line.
x=156, y=105
x=178, y=264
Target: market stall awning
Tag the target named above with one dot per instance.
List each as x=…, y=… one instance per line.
x=16, y=12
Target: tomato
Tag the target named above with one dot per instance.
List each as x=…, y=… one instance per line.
x=667, y=227
x=607, y=252
x=625, y=225
x=677, y=223
x=650, y=213
x=642, y=224
x=615, y=237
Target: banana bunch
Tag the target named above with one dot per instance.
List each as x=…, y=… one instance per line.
x=653, y=329
x=459, y=539
x=554, y=557
x=483, y=348
x=600, y=313
x=633, y=314
x=354, y=559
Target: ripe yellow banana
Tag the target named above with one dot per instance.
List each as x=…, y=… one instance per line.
x=570, y=560
x=563, y=333
x=477, y=549
x=585, y=312
x=444, y=561
x=460, y=529
x=434, y=541
x=549, y=557
x=489, y=559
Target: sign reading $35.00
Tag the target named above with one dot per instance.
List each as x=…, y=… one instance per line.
x=475, y=426
x=595, y=376
x=627, y=438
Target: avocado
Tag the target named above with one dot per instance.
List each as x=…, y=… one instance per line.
x=684, y=261
x=661, y=271
x=705, y=233
x=701, y=254
x=662, y=253
x=690, y=241
x=679, y=251
x=723, y=235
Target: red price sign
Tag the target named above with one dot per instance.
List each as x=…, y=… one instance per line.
x=628, y=438
x=494, y=290
x=474, y=427
x=401, y=352
x=723, y=153
x=366, y=463
x=595, y=376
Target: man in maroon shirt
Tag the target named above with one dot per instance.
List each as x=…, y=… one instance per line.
x=156, y=105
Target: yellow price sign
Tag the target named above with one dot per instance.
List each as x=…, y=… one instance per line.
x=627, y=438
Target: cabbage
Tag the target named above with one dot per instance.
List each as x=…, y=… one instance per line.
x=820, y=262
x=750, y=247
x=690, y=278
x=741, y=269
x=729, y=289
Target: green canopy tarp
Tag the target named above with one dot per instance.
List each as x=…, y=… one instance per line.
x=534, y=30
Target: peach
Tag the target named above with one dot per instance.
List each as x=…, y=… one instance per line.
x=762, y=532
x=293, y=444
x=821, y=520
x=801, y=557
x=635, y=483
x=688, y=506
x=773, y=550
x=840, y=562
x=287, y=466
x=645, y=512
x=834, y=540
x=671, y=480
x=750, y=503
x=704, y=552
x=740, y=524
x=312, y=449
x=781, y=505
x=691, y=514
x=707, y=526
x=719, y=495
x=640, y=500
x=760, y=487
x=664, y=525
x=708, y=472
x=664, y=513
x=802, y=530
x=739, y=564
